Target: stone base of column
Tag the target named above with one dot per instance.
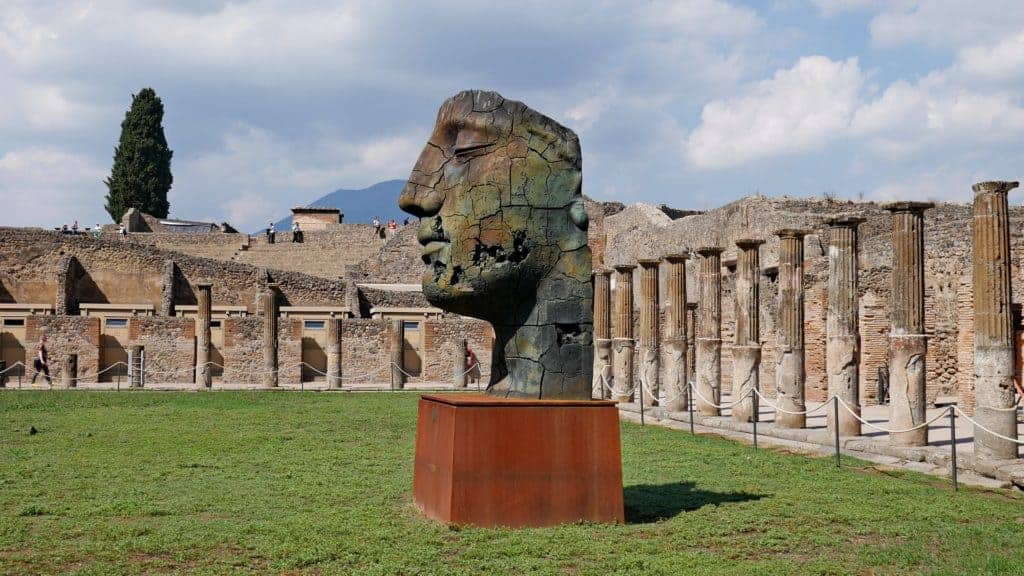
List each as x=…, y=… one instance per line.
x=789, y=382
x=204, y=376
x=746, y=365
x=709, y=376
x=843, y=357
x=677, y=394
x=603, y=372
x=622, y=389
x=993, y=389
x=650, y=366
x=907, y=402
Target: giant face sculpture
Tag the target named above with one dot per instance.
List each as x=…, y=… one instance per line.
x=502, y=222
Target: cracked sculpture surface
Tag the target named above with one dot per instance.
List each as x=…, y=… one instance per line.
x=498, y=193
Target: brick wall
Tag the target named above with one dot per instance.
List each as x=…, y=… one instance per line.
x=169, y=345
x=440, y=338
x=243, y=350
x=65, y=334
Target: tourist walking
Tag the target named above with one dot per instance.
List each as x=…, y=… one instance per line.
x=296, y=232
x=97, y=231
x=376, y=227
x=472, y=367
x=271, y=233
x=392, y=227
x=41, y=360
x=122, y=232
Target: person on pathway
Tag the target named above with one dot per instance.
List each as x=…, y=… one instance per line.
x=296, y=232
x=97, y=231
x=392, y=228
x=883, y=384
x=472, y=366
x=271, y=233
x=376, y=227
x=122, y=232
x=41, y=360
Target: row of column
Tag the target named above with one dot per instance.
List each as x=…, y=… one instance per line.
x=993, y=340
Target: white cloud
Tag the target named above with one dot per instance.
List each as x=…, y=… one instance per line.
x=796, y=110
x=944, y=184
x=945, y=23
x=707, y=18
x=257, y=175
x=1001, y=60
x=49, y=187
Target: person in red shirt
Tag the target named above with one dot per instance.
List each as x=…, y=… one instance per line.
x=473, y=367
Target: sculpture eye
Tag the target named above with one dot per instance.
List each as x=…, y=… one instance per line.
x=467, y=148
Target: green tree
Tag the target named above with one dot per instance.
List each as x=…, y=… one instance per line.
x=141, y=176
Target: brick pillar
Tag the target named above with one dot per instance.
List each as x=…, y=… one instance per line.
x=135, y=361
x=842, y=352
x=203, y=368
x=709, y=331
x=790, y=374
x=746, y=351
x=267, y=299
x=907, y=341
x=459, y=363
x=676, y=392
x=993, y=323
x=623, y=341
x=69, y=373
x=650, y=362
x=602, y=333
x=396, y=344
x=334, y=330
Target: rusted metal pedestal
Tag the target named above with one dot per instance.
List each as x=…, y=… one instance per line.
x=491, y=461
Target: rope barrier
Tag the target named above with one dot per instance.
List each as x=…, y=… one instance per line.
x=977, y=425
x=887, y=430
x=12, y=367
x=697, y=393
x=784, y=411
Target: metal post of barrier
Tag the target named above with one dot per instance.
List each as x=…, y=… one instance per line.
x=835, y=424
x=641, y=387
x=118, y=380
x=753, y=403
x=689, y=402
x=142, y=368
x=952, y=444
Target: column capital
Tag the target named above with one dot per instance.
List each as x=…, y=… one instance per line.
x=205, y=284
x=708, y=251
x=792, y=232
x=648, y=262
x=845, y=220
x=749, y=243
x=677, y=257
x=994, y=186
x=907, y=206
x=624, y=268
x=602, y=272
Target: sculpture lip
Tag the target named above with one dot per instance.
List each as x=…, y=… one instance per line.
x=433, y=247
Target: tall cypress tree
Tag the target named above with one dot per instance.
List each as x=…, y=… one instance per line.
x=141, y=176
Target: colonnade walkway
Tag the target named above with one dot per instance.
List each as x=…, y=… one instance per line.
x=935, y=458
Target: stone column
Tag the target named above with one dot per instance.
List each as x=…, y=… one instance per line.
x=623, y=341
x=650, y=362
x=789, y=374
x=907, y=341
x=842, y=351
x=396, y=345
x=709, y=331
x=746, y=351
x=993, y=323
x=334, y=329
x=69, y=373
x=459, y=363
x=135, y=360
x=203, y=369
x=267, y=300
x=691, y=342
x=676, y=392
x=602, y=334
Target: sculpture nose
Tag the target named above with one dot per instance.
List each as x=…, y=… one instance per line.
x=419, y=200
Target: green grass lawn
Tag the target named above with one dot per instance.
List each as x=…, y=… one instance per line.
x=117, y=483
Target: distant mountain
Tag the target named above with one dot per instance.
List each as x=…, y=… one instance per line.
x=359, y=206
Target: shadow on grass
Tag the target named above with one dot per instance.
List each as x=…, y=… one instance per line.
x=650, y=502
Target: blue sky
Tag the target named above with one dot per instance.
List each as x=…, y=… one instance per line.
x=272, y=103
